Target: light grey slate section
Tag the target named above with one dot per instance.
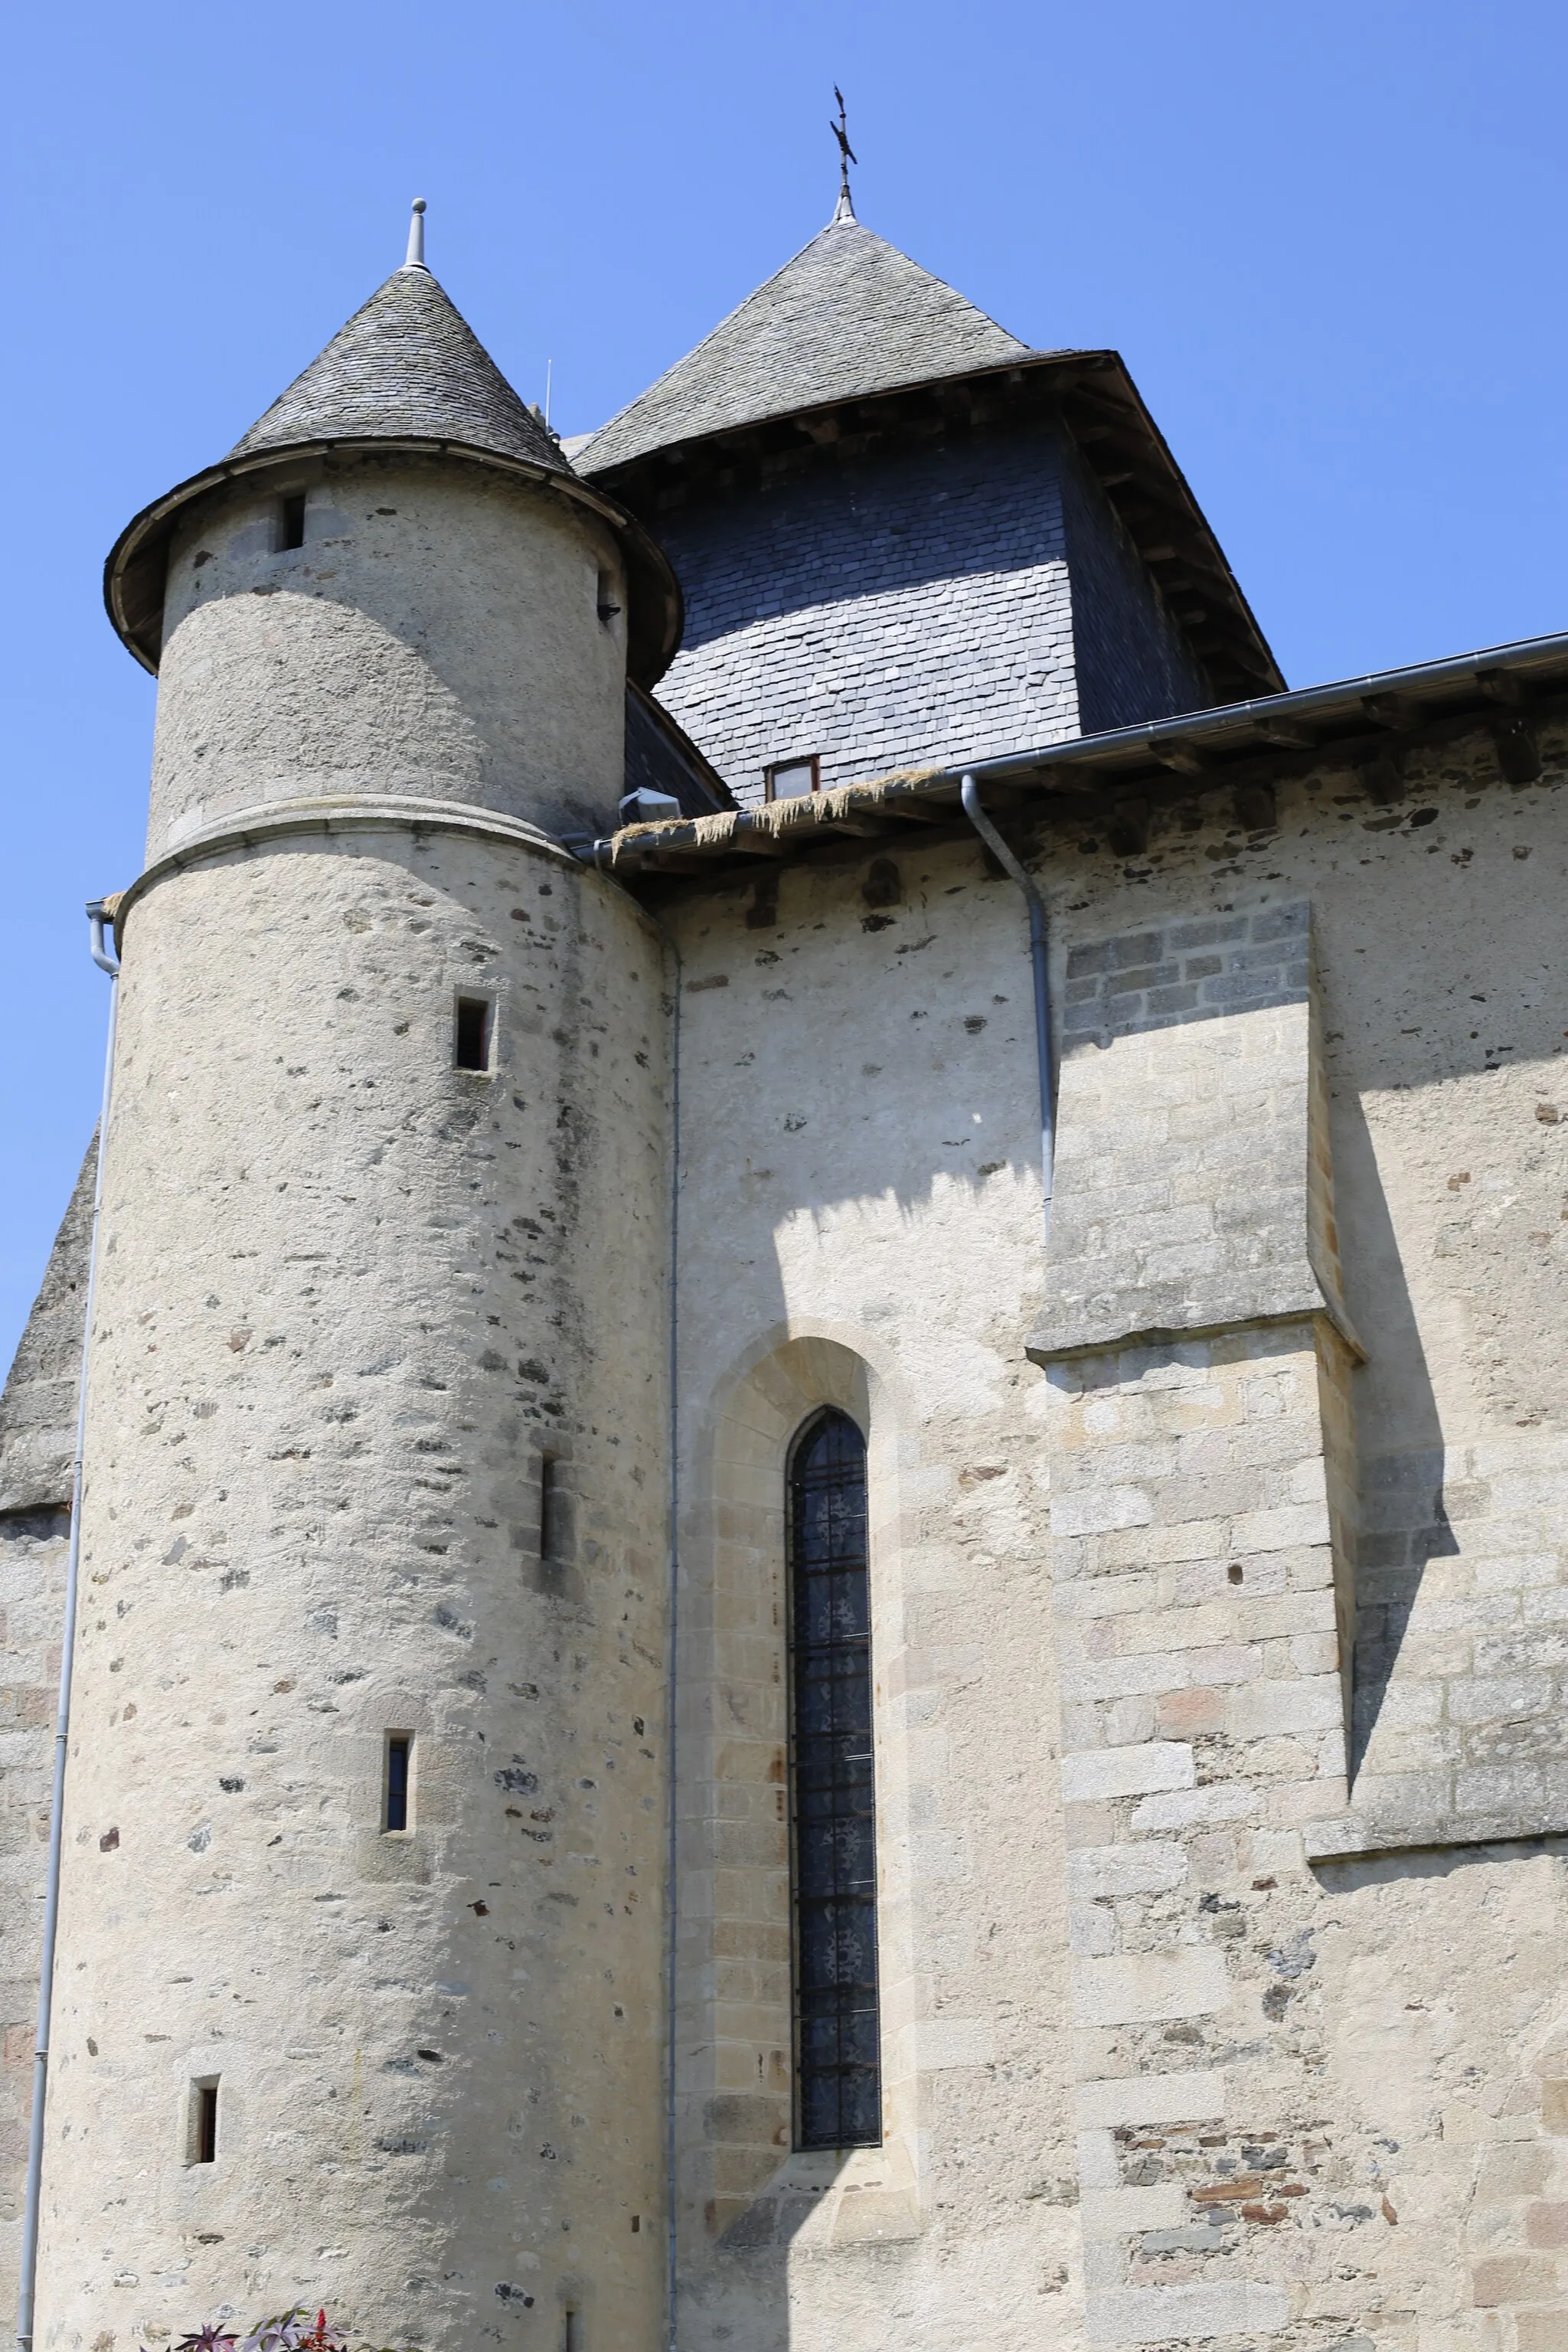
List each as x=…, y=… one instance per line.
x=882, y=612
x=406, y=366
x=850, y=314
x=37, y=1406
x=1192, y=1184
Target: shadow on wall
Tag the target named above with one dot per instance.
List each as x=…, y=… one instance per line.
x=1403, y=1520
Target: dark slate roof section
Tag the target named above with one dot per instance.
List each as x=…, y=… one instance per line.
x=662, y=757
x=407, y=366
x=38, y=1406
x=849, y=315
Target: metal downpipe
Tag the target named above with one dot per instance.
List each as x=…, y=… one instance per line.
x=970, y=795
x=672, y=1982
x=97, y=917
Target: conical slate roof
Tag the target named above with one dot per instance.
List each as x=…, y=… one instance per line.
x=849, y=315
x=406, y=370
x=407, y=366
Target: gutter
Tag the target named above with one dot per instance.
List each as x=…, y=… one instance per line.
x=1495, y=685
x=672, y=1690
x=1345, y=699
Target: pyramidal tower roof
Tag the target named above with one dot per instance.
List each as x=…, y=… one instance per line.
x=407, y=372
x=407, y=366
x=849, y=315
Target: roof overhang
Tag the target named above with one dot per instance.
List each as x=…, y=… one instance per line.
x=137, y=568
x=1093, y=396
x=1367, y=723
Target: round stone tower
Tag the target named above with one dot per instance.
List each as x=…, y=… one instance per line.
x=358, y=1992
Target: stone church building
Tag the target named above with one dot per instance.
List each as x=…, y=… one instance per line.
x=820, y=1580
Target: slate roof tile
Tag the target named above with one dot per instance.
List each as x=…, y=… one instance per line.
x=849, y=315
x=406, y=366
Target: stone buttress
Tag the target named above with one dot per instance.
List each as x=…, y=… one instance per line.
x=1203, y=1513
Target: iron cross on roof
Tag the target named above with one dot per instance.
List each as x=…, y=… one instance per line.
x=846, y=156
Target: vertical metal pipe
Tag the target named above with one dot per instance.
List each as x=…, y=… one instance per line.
x=672, y=2248
x=1039, y=953
x=28, y=2286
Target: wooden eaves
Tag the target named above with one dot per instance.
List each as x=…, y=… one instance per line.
x=1244, y=747
x=1091, y=393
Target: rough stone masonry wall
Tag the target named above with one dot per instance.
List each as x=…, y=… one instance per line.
x=37, y=1438
x=1325, y=2102
x=1202, y=1496
x=1202, y=1727
x=350, y=1297
x=1193, y=1168
x=1391, y=2034
x=1321, y=2109
x=1275, y=2056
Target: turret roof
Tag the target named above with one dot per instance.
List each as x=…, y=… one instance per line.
x=407, y=372
x=849, y=315
x=407, y=366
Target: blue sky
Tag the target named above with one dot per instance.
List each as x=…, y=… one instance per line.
x=1328, y=239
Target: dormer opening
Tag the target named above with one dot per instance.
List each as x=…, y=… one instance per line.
x=791, y=780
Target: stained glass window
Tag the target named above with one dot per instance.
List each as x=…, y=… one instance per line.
x=832, y=1792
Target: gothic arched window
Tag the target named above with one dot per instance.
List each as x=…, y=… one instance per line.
x=832, y=1820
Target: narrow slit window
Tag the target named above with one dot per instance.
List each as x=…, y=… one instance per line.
x=609, y=600
x=574, y=2331
x=549, y=1507
x=475, y=1024
x=833, y=1826
x=204, y=2122
x=399, y=1748
x=291, y=520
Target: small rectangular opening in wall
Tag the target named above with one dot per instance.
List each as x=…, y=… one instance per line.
x=204, y=2121
x=474, y=1026
x=291, y=520
x=399, y=1756
x=609, y=602
x=550, y=1532
x=574, y=2340
x=791, y=780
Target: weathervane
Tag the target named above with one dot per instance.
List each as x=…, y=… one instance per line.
x=846, y=156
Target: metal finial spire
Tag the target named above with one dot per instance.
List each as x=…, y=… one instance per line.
x=844, y=210
x=415, y=258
